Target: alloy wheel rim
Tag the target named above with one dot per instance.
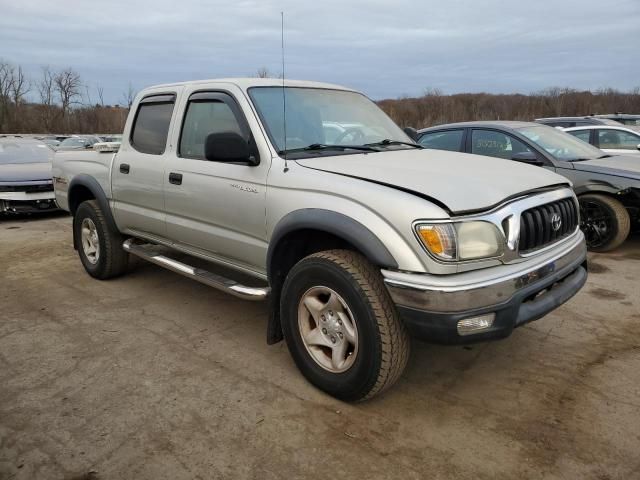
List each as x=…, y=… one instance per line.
x=90, y=241
x=597, y=224
x=328, y=329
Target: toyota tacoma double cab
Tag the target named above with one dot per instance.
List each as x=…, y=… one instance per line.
x=308, y=195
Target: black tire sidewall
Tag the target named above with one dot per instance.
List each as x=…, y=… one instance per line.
x=356, y=382
x=612, y=214
x=86, y=210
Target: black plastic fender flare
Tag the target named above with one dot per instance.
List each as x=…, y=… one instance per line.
x=337, y=224
x=91, y=184
x=597, y=187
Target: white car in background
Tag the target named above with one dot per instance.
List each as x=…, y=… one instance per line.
x=620, y=140
x=624, y=118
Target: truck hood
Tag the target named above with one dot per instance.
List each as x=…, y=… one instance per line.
x=25, y=172
x=627, y=166
x=458, y=181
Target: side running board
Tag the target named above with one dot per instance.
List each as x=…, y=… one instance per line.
x=198, y=274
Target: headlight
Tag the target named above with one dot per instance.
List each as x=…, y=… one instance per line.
x=461, y=240
x=440, y=239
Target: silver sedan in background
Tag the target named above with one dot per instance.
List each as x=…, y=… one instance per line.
x=620, y=140
x=26, y=183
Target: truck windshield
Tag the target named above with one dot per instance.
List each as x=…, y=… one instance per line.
x=324, y=120
x=561, y=145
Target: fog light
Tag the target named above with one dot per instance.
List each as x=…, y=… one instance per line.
x=473, y=325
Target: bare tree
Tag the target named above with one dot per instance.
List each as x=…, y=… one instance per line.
x=263, y=72
x=68, y=85
x=87, y=95
x=46, y=87
x=46, y=90
x=100, y=90
x=20, y=86
x=6, y=80
x=128, y=96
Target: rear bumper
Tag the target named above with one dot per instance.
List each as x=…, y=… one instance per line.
x=432, y=306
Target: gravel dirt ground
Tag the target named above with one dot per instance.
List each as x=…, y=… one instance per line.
x=154, y=376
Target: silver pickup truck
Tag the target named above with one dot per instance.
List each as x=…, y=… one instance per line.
x=309, y=195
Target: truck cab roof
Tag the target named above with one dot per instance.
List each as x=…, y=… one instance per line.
x=248, y=82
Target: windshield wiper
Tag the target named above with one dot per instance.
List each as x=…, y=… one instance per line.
x=604, y=156
x=322, y=146
x=388, y=141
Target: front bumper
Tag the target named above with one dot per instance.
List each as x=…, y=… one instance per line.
x=27, y=202
x=431, y=306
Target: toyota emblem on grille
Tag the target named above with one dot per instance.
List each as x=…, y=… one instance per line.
x=556, y=222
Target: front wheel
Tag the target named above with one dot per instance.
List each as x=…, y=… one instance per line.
x=341, y=326
x=99, y=246
x=604, y=221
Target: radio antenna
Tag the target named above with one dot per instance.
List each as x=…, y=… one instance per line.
x=284, y=101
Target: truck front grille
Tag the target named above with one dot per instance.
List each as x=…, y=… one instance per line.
x=47, y=187
x=546, y=224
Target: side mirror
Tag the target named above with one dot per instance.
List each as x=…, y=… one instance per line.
x=529, y=158
x=412, y=133
x=639, y=146
x=228, y=147
x=88, y=146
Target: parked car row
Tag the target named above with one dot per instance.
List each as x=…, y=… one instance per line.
x=26, y=184
x=566, y=122
x=606, y=182
x=76, y=141
x=624, y=118
x=610, y=119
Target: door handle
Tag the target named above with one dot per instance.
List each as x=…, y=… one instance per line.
x=175, y=178
x=124, y=168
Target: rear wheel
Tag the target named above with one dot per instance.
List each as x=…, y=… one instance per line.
x=604, y=221
x=99, y=246
x=341, y=326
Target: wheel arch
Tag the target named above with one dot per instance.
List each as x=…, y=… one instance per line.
x=600, y=187
x=306, y=231
x=82, y=188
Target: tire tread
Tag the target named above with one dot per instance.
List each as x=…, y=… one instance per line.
x=116, y=259
x=623, y=220
x=394, y=339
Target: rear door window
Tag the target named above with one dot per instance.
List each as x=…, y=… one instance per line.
x=496, y=144
x=446, y=140
x=618, y=139
x=151, y=125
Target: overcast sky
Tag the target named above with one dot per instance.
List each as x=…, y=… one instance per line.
x=384, y=48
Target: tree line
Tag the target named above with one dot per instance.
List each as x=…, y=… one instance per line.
x=436, y=108
x=59, y=101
